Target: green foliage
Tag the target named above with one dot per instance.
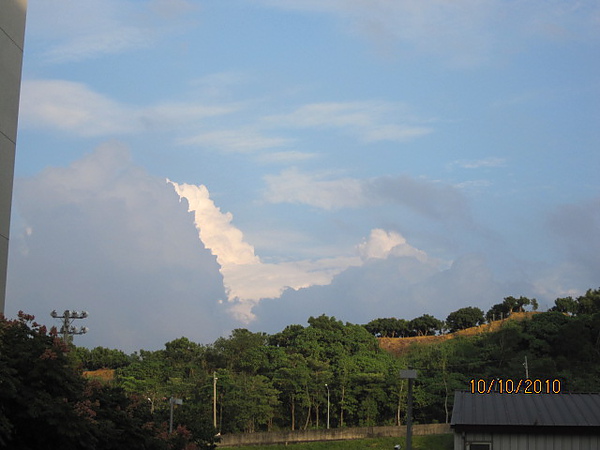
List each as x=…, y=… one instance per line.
x=510, y=305
x=589, y=303
x=388, y=327
x=100, y=358
x=464, y=318
x=282, y=381
x=41, y=390
x=289, y=380
x=425, y=325
x=45, y=402
x=497, y=312
x=518, y=304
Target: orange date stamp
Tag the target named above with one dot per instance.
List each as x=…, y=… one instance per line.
x=515, y=386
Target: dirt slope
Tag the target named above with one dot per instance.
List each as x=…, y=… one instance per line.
x=399, y=346
x=101, y=374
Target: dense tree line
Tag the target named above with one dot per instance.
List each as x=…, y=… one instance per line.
x=282, y=381
x=277, y=381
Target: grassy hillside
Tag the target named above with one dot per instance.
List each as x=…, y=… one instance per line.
x=399, y=346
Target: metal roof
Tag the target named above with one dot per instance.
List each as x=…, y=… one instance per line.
x=569, y=410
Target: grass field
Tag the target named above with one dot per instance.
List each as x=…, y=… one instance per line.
x=432, y=442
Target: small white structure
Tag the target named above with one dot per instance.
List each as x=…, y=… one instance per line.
x=520, y=421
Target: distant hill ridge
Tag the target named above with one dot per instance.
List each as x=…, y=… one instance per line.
x=398, y=346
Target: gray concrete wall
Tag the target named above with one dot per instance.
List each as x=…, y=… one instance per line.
x=12, y=33
x=334, y=434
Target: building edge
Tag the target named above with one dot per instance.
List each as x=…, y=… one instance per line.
x=12, y=38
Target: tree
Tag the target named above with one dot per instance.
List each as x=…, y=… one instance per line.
x=242, y=351
x=497, y=312
x=425, y=325
x=41, y=390
x=565, y=305
x=388, y=327
x=589, y=303
x=518, y=304
x=46, y=403
x=292, y=380
x=101, y=358
x=148, y=377
x=464, y=318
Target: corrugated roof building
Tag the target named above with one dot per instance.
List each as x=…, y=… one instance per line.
x=498, y=421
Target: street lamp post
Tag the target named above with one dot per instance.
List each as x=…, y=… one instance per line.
x=411, y=375
x=173, y=401
x=327, y=405
x=215, y=400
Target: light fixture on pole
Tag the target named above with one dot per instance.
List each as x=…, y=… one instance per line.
x=67, y=330
x=173, y=401
x=327, y=405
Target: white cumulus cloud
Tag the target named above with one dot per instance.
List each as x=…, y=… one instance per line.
x=103, y=235
x=382, y=243
x=247, y=279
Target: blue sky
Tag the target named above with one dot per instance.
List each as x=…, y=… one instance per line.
x=189, y=167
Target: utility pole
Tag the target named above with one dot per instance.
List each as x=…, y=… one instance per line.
x=67, y=329
x=526, y=368
x=215, y=400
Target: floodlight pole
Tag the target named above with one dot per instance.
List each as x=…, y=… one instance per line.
x=411, y=375
x=68, y=330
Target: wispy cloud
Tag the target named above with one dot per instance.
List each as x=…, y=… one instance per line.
x=286, y=157
x=122, y=39
x=463, y=33
x=372, y=121
x=73, y=107
x=77, y=30
x=428, y=198
x=243, y=140
x=293, y=186
x=480, y=163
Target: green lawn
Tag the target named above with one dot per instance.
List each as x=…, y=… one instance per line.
x=433, y=442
